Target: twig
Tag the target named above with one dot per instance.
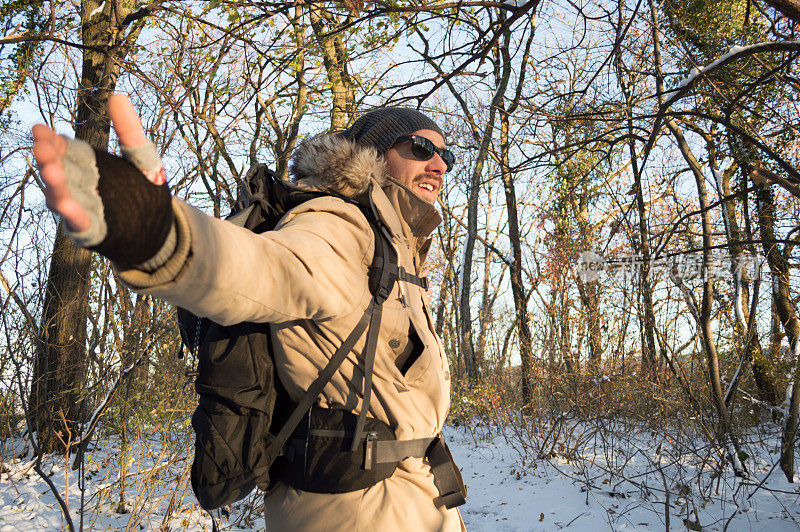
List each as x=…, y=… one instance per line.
x=482, y=240
x=81, y=444
x=36, y=449
x=576, y=518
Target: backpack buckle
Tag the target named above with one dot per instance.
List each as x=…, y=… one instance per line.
x=425, y=284
x=369, y=449
x=382, y=294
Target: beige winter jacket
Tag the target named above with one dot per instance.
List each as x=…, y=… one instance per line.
x=308, y=277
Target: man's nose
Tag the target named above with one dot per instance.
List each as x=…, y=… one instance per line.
x=436, y=165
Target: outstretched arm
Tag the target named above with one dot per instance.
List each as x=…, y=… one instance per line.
x=313, y=267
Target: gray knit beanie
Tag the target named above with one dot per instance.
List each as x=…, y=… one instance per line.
x=381, y=127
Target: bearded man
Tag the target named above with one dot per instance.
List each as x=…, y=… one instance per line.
x=307, y=278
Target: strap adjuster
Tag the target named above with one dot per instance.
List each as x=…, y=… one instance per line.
x=425, y=284
x=403, y=275
x=369, y=449
x=382, y=294
x=446, y=475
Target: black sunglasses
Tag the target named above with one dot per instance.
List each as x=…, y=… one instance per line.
x=423, y=149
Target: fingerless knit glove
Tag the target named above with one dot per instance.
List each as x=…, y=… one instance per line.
x=131, y=218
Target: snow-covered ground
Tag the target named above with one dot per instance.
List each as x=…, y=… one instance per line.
x=617, y=484
x=509, y=492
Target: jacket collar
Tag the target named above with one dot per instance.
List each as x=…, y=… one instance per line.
x=417, y=217
x=332, y=163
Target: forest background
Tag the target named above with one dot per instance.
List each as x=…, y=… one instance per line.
x=661, y=137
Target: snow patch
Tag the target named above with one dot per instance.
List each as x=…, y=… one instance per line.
x=98, y=10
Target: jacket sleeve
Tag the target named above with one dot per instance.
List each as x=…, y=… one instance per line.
x=312, y=266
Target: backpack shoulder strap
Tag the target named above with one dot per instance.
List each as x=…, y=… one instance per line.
x=382, y=276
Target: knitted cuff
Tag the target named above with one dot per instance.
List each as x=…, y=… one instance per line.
x=80, y=171
x=138, y=279
x=146, y=159
x=163, y=254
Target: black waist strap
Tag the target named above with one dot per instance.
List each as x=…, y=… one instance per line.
x=395, y=451
x=446, y=475
x=382, y=451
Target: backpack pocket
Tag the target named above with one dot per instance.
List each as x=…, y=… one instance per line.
x=231, y=422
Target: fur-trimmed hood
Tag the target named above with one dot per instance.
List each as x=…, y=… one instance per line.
x=333, y=163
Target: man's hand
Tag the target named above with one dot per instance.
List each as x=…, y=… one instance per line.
x=49, y=149
x=106, y=203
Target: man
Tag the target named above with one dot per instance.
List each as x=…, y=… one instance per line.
x=308, y=278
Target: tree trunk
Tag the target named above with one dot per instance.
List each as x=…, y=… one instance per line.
x=790, y=8
x=787, y=314
x=520, y=295
x=725, y=435
x=517, y=286
x=487, y=290
x=649, y=359
x=59, y=369
x=484, y=140
x=335, y=59
x=57, y=395
x=565, y=335
x=465, y=281
x=724, y=429
x=765, y=383
x=590, y=302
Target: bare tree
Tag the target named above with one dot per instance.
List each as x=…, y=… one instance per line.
x=60, y=366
